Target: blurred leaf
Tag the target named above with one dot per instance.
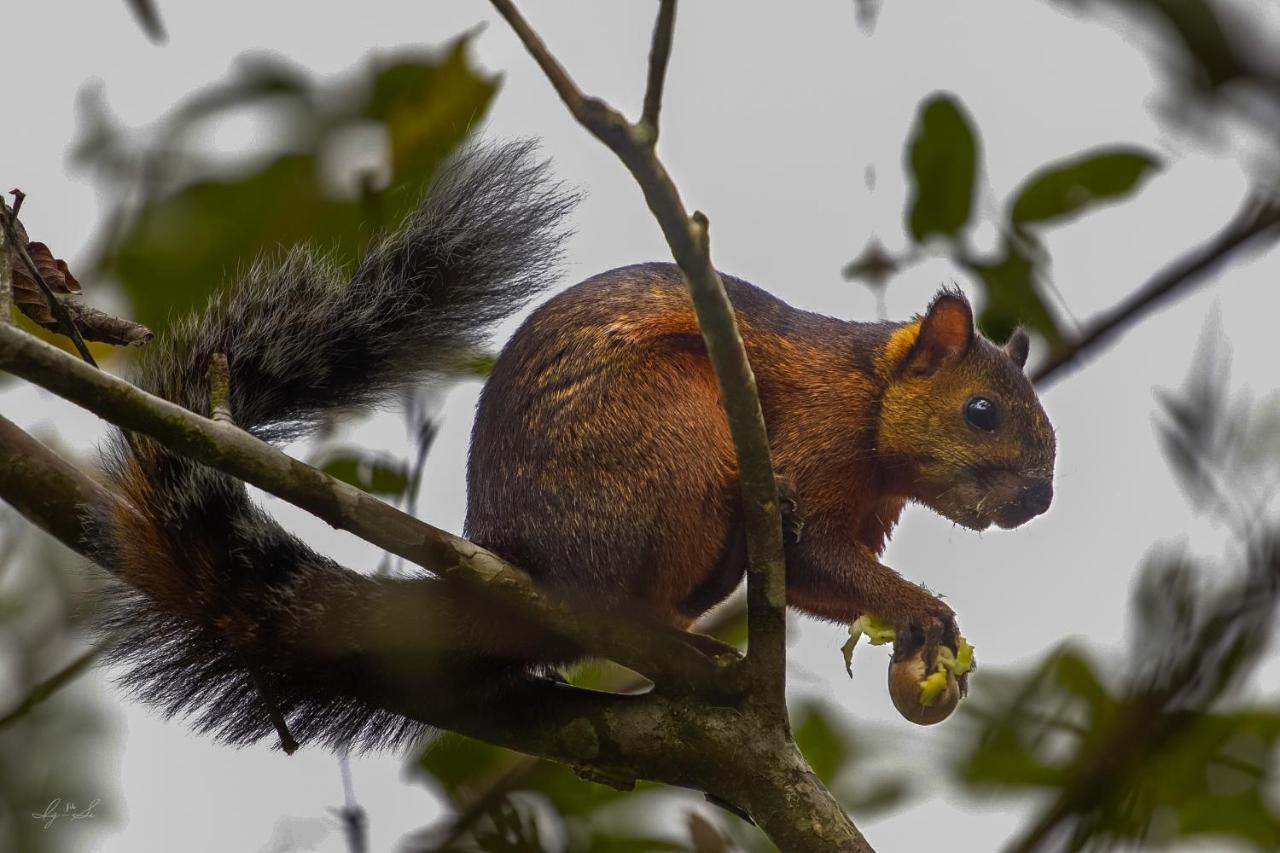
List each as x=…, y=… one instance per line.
x=1128, y=767
x=197, y=227
x=455, y=761
x=182, y=247
x=1075, y=673
x=509, y=829
x=835, y=751
x=58, y=751
x=705, y=835
x=1010, y=720
x=148, y=18
x=1164, y=603
x=1199, y=426
x=1210, y=58
x=825, y=744
x=629, y=844
x=944, y=163
x=375, y=473
x=462, y=766
x=1062, y=190
x=1011, y=297
x=478, y=365
x=873, y=796
x=572, y=795
x=428, y=110
x=875, y=266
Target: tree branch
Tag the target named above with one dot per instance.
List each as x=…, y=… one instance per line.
x=708, y=744
x=51, y=685
x=659, y=54
x=509, y=777
x=667, y=657
x=1258, y=217
x=46, y=489
x=687, y=237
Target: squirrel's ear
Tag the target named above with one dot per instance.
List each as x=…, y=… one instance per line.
x=1018, y=346
x=946, y=333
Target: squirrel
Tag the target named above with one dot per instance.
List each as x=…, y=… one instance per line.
x=601, y=461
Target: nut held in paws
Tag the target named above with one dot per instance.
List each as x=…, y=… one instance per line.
x=922, y=698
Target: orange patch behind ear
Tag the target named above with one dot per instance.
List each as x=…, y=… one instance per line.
x=946, y=333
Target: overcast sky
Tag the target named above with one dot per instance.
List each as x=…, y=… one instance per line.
x=773, y=114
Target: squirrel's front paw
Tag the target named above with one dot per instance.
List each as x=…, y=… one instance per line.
x=929, y=623
x=792, y=520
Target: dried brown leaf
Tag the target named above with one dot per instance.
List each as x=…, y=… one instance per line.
x=31, y=299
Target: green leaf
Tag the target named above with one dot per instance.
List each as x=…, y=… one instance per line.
x=1066, y=189
x=199, y=227
x=944, y=163
x=375, y=473
x=428, y=109
x=479, y=365
x=1011, y=297
x=572, y=795
x=180, y=248
x=825, y=744
x=455, y=761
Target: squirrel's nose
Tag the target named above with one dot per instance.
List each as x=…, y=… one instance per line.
x=1037, y=497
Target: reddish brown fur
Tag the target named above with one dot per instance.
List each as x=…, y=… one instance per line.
x=602, y=461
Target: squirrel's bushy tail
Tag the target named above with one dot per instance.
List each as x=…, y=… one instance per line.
x=210, y=583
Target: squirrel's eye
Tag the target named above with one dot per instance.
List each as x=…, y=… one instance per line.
x=981, y=413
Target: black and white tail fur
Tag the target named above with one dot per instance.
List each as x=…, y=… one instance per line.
x=207, y=582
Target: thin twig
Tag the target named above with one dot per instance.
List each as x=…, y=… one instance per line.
x=687, y=237
x=659, y=54
x=220, y=389
x=220, y=410
x=263, y=689
x=1257, y=217
x=51, y=685
x=355, y=821
x=9, y=218
x=6, y=279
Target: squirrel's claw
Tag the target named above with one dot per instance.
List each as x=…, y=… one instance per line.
x=792, y=520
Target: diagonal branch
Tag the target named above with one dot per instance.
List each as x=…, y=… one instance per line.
x=550, y=721
x=703, y=743
x=1257, y=218
x=51, y=685
x=687, y=237
x=666, y=657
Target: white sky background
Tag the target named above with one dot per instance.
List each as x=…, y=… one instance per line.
x=773, y=112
